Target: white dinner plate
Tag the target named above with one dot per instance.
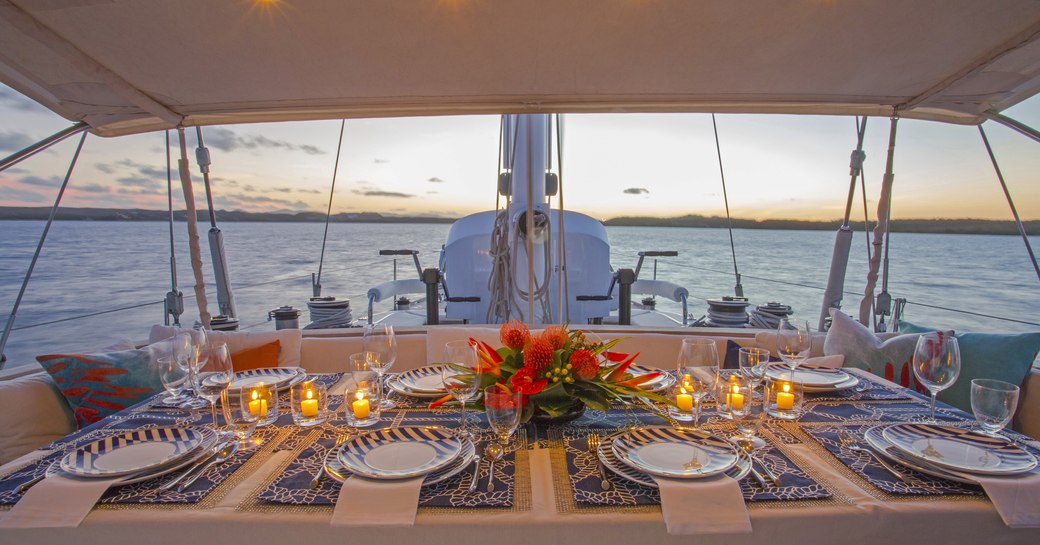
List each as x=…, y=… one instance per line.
x=876, y=439
x=400, y=453
x=132, y=452
x=606, y=455
x=396, y=386
x=852, y=382
x=959, y=449
x=199, y=453
x=425, y=380
x=656, y=384
x=338, y=472
x=808, y=377
x=278, y=378
x=668, y=452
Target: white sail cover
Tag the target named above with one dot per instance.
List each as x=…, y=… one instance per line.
x=129, y=66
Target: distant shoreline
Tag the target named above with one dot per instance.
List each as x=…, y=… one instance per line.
x=948, y=226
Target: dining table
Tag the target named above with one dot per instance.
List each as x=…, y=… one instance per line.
x=547, y=488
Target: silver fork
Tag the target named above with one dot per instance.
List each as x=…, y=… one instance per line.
x=849, y=442
x=594, y=451
x=320, y=476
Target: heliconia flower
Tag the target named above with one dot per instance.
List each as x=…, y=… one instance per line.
x=619, y=372
x=555, y=335
x=487, y=358
x=538, y=354
x=634, y=382
x=440, y=402
x=584, y=363
x=524, y=381
x=514, y=334
x=615, y=356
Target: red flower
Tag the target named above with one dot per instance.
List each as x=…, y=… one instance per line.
x=584, y=363
x=524, y=381
x=555, y=335
x=488, y=358
x=538, y=355
x=514, y=334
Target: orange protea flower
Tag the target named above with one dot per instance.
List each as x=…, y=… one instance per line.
x=556, y=336
x=514, y=334
x=538, y=354
x=584, y=363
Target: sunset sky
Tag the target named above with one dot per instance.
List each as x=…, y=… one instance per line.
x=617, y=164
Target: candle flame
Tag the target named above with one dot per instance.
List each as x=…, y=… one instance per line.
x=787, y=388
x=359, y=395
x=682, y=390
x=310, y=394
x=736, y=389
x=256, y=394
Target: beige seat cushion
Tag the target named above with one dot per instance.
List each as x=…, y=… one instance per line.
x=32, y=414
x=237, y=341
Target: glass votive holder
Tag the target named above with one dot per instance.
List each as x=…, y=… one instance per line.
x=361, y=398
x=263, y=402
x=728, y=394
x=785, y=398
x=683, y=398
x=310, y=402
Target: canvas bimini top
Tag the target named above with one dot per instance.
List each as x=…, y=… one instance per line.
x=131, y=66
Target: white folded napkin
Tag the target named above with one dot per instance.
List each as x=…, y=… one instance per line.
x=370, y=502
x=703, y=506
x=1017, y=498
x=56, y=502
x=825, y=362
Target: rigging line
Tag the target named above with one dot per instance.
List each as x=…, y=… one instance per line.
x=92, y=314
x=316, y=287
x=39, y=249
x=973, y=313
x=738, y=289
x=565, y=292
x=174, y=298
x=1011, y=203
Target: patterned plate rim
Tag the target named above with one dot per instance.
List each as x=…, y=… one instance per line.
x=852, y=382
x=833, y=379
x=77, y=463
x=606, y=455
x=624, y=443
x=446, y=444
x=874, y=437
x=658, y=383
x=408, y=376
x=469, y=452
x=199, y=453
x=288, y=375
x=1018, y=460
x=396, y=386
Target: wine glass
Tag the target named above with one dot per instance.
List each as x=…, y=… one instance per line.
x=937, y=363
x=748, y=414
x=186, y=351
x=994, y=403
x=173, y=373
x=216, y=377
x=241, y=417
x=793, y=342
x=503, y=411
x=698, y=370
x=460, y=377
x=380, y=345
x=753, y=364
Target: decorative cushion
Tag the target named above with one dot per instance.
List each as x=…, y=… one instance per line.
x=290, y=341
x=265, y=355
x=97, y=385
x=863, y=349
x=1000, y=356
x=32, y=414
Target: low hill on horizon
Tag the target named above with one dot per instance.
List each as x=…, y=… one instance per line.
x=958, y=226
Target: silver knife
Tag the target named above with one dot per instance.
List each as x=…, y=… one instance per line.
x=476, y=471
x=766, y=471
x=212, y=454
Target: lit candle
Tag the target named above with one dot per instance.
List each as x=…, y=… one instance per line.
x=360, y=405
x=309, y=406
x=785, y=398
x=257, y=406
x=735, y=399
x=683, y=400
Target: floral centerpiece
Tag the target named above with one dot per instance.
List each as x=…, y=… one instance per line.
x=558, y=371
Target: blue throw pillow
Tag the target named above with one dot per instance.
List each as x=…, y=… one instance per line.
x=97, y=385
x=1000, y=356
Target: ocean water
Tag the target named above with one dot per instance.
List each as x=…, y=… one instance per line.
x=97, y=267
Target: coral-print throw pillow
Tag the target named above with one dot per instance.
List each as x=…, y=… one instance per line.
x=97, y=385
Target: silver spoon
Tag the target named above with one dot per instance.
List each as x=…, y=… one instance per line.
x=476, y=474
x=228, y=451
x=493, y=453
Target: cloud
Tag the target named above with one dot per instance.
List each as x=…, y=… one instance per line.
x=94, y=188
x=136, y=181
x=18, y=195
x=16, y=101
x=380, y=161
x=240, y=200
x=53, y=181
x=636, y=191
x=150, y=171
x=14, y=140
x=380, y=193
x=282, y=189
x=435, y=180
x=311, y=191
x=228, y=140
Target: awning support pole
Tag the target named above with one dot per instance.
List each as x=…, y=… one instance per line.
x=174, y=298
x=1011, y=203
x=1013, y=124
x=843, y=238
x=221, y=273
x=39, y=248
x=19, y=156
x=193, y=230
x=884, y=213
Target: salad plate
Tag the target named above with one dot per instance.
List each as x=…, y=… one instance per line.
x=400, y=453
x=668, y=452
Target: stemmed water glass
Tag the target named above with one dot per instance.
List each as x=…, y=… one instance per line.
x=753, y=364
x=793, y=342
x=212, y=380
x=748, y=414
x=994, y=403
x=460, y=377
x=503, y=410
x=186, y=350
x=173, y=373
x=240, y=416
x=937, y=363
x=380, y=345
x=698, y=369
